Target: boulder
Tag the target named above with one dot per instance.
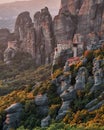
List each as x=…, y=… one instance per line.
x=41, y=100
x=13, y=116
x=42, y=104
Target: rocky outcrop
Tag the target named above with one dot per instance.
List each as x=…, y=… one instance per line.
x=12, y=49
x=25, y=33
x=61, y=54
x=72, y=5
x=36, y=38
x=64, y=26
x=90, y=16
x=42, y=104
x=44, y=42
x=98, y=72
x=4, y=34
x=96, y=103
x=81, y=78
x=67, y=94
x=75, y=17
x=13, y=116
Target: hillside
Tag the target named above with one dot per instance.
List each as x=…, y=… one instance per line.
x=32, y=83
x=52, y=70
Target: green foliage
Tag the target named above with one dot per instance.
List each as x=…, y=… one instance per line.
x=57, y=73
x=62, y=126
x=24, y=83
x=54, y=110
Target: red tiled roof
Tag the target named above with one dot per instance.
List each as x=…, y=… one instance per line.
x=73, y=59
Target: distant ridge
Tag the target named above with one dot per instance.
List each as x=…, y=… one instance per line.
x=9, y=11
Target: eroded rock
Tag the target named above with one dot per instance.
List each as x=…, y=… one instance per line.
x=13, y=116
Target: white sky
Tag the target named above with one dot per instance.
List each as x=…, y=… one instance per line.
x=7, y=1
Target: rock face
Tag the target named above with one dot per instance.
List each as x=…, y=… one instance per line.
x=96, y=103
x=4, y=34
x=67, y=94
x=42, y=104
x=72, y=5
x=90, y=16
x=75, y=17
x=36, y=38
x=45, y=42
x=98, y=72
x=25, y=33
x=64, y=26
x=13, y=116
x=81, y=78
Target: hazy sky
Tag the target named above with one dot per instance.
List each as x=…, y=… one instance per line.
x=7, y=1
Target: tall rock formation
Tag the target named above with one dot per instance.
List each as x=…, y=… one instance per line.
x=75, y=20
x=45, y=41
x=90, y=16
x=25, y=33
x=72, y=5
x=64, y=26
x=36, y=38
x=4, y=34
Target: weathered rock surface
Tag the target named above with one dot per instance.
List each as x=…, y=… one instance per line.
x=96, y=103
x=68, y=95
x=25, y=33
x=61, y=56
x=39, y=38
x=42, y=104
x=81, y=78
x=45, y=43
x=64, y=26
x=45, y=122
x=4, y=34
x=13, y=116
x=98, y=72
x=36, y=38
x=90, y=16
x=72, y=5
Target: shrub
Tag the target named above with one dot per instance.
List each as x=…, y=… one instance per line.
x=54, y=110
x=57, y=73
x=88, y=54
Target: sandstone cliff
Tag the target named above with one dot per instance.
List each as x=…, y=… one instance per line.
x=36, y=38
x=4, y=33
x=75, y=21
x=89, y=14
